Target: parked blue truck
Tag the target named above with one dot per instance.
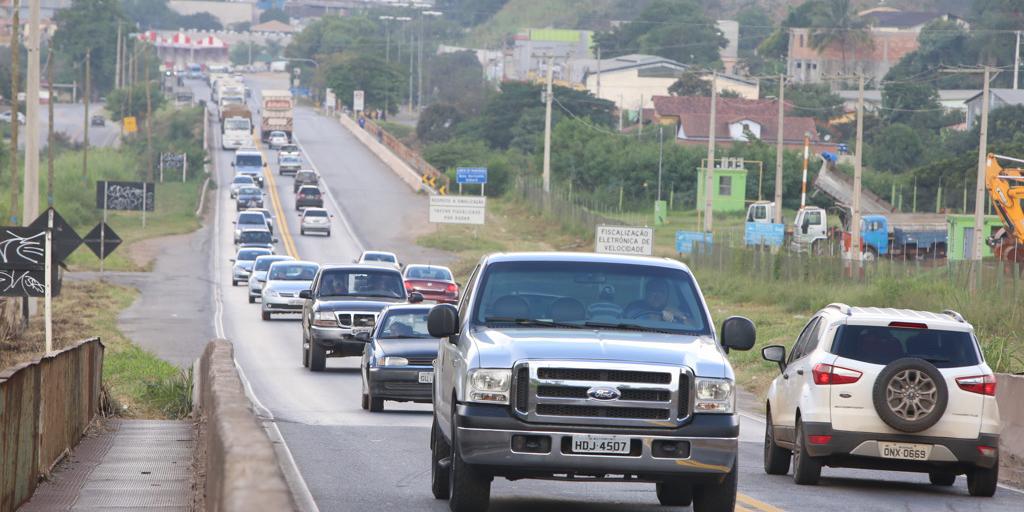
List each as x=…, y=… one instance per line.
x=902, y=235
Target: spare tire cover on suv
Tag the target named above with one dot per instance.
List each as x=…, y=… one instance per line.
x=910, y=394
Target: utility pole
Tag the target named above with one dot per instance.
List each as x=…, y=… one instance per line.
x=598, y=72
x=979, y=193
x=640, y=117
x=15, y=84
x=661, y=154
x=1016, y=62
x=149, y=125
x=117, y=59
x=85, y=122
x=30, y=203
x=858, y=170
x=547, y=128
x=49, y=131
x=709, y=170
x=419, y=69
x=779, y=148
x=807, y=158
x=621, y=106
x=412, y=59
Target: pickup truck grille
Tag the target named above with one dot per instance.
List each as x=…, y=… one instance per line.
x=357, y=320
x=561, y=392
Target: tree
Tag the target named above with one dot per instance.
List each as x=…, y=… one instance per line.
x=274, y=14
x=835, y=23
x=89, y=25
x=382, y=82
x=908, y=101
x=896, y=148
x=119, y=106
x=469, y=13
x=674, y=29
x=691, y=83
x=992, y=25
x=437, y=123
x=776, y=46
x=455, y=79
x=755, y=26
x=814, y=100
x=199, y=21
x=941, y=43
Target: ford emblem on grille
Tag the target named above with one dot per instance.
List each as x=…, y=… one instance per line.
x=603, y=393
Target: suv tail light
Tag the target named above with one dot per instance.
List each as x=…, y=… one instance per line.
x=908, y=325
x=980, y=384
x=827, y=375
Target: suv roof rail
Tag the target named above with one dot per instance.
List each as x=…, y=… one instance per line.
x=956, y=316
x=843, y=308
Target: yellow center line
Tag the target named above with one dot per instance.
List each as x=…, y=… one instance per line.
x=741, y=508
x=756, y=503
x=275, y=201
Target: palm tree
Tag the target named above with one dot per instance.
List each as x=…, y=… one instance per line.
x=834, y=22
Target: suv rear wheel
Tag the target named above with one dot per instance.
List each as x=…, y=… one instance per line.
x=806, y=469
x=717, y=497
x=776, y=458
x=910, y=395
x=468, y=489
x=982, y=482
x=676, y=492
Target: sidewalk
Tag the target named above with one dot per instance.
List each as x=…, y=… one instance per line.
x=124, y=465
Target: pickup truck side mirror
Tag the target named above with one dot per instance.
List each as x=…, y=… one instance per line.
x=739, y=333
x=415, y=298
x=775, y=354
x=443, y=321
x=306, y=294
x=232, y=164
x=232, y=260
x=362, y=336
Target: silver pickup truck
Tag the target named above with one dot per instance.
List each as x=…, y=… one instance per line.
x=585, y=367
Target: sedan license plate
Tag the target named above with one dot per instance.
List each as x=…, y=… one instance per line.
x=296, y=302
x=904, y=451
x=426, y=377
x=617, y=445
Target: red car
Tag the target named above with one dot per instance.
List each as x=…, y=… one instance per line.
x=433, y=282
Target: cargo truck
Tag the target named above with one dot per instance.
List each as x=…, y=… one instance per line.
x=276, y=110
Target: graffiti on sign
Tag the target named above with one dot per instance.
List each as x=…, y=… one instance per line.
x=125, y=195
x=22, y=248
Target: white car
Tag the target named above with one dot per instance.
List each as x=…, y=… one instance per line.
x=277, y=139
x=239, y=182
x=290, y=149
x=258, y=275
x=889, y=389
x=285, y=280
x=379, y=258
x=315, y=220
x=6, y=117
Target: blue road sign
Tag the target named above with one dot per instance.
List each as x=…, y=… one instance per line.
x=760, y=233
x=471, y=175
x=685, y=240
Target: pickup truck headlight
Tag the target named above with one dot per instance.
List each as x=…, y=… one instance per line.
x=489, y=386
x=394, y=361
x=714, y=396
x=325, y=319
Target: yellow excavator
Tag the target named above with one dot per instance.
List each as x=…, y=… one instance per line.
x=1006, y=188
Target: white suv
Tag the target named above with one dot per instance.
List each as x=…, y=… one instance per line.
x=880, y=388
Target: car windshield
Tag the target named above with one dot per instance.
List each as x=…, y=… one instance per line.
x=277, y=134
x=581, y=294
x=248, y=160
x=290, y=160
x=255, y=237
x=376, y=256
x=361, y=283
x=292, y=272
x=250, y=254
x=316, y=213
x=249, y=191
x=243, y=179
x=252, y=218
x=440, y=274
x=265, y=262
x=883, y=345
x=404, y=324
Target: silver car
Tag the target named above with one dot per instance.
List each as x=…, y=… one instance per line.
x=244, y=261
x=285, y=279
x=277, y=139
x=315, y=220
x=259, y=274
x=239, y=182
x=249, y=220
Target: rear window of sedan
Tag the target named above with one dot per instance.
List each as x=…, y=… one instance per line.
x=309, y=191
x=249, y=191
x=243, y=179
x=440, y=274
x=316, y=213
x=883, y=345
x=252, y=218
x=251, y=254
x=306, y=176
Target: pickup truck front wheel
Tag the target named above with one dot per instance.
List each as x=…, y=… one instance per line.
x=317, y=356
x=719, y=496
x=439, y=473
x=468, y=489
x=674, y=493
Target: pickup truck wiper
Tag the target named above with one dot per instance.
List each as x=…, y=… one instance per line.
x=635, y=327
x=530, y=322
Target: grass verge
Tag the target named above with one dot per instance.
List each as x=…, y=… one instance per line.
x=141, y=384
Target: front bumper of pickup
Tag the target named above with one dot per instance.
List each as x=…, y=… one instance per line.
x=707, y=447
x=339, y=340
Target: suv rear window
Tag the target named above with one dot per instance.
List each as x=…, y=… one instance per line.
x=883, y=345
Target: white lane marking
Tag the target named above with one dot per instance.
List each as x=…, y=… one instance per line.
x=330, y=196
x=300, y=491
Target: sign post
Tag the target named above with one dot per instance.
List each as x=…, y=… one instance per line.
x=48, y=277
x=471, y=176
x=358, y=101
x=143, y=205
x=627, y=240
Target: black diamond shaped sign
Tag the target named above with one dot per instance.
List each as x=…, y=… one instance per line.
x=102, y=248
x=65, y=239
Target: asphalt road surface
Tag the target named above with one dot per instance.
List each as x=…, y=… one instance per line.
x=69, y=118
x=353, y=460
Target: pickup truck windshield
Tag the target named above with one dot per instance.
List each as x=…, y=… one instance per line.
x=361, y=283
x=255, y=237
x=575, y=294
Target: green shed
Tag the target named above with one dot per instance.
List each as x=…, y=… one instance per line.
x=960, y=230
x=730, y=190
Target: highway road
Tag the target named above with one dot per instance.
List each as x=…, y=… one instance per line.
x=68, y=118
x=352, y=460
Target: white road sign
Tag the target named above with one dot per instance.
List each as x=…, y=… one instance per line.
x=357, y=100
x=457, y=209
x=624, y=240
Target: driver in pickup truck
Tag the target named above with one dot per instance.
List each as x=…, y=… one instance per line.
x=655, y=304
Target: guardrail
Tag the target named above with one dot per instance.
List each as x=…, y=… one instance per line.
x=405, y=161
x=242, y=470
x=1009, y=390
x=45, y=407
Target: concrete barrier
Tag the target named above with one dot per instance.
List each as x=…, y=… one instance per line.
x=45, y=407
x=242, y=470
x=404, y=171
x=1010, y=396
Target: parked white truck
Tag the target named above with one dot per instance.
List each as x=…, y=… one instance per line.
x=276, y=109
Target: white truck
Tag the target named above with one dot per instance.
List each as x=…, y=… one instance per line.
x=237, y=132
x=276, y=110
